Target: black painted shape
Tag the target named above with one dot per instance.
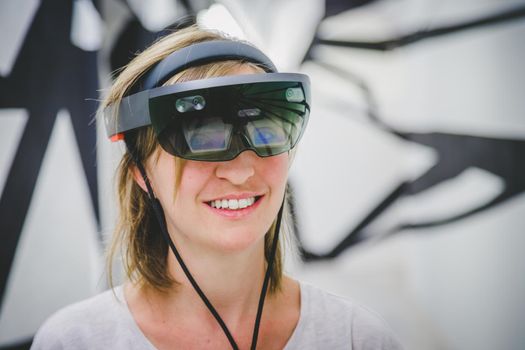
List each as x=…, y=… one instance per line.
x=456, y=153
x=188, y=6
x=408, y=39
x=358, y=234
x=50, y=74
x=22, y=345
x=134, y=38
x=335, y=7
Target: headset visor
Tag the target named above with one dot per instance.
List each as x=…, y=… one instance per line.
x=215, y=119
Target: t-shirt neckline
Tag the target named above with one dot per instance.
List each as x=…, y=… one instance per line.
x=303, y=291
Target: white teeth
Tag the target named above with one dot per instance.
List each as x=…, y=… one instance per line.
x=243, y=203
x=233, y=204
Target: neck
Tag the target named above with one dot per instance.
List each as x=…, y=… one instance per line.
x=233, y=285
x=231, y=281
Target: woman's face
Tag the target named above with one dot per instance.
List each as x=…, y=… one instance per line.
x=196, y=211
x=226, y=206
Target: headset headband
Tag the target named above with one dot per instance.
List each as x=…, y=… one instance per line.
x=203, y=53
x=133, y=108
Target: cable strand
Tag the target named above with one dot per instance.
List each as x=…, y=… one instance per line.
x=267, y=279
x=159, y=213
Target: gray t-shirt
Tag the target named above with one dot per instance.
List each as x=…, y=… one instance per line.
x=326, y=322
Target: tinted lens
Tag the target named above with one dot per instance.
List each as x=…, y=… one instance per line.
x=266, y=117
x=267, y=132
x=206, y=134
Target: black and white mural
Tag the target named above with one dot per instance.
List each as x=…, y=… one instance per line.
x=413, y=199
x=49, y=214
x=409, y=184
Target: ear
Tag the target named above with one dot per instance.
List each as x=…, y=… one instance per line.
x=139, y=179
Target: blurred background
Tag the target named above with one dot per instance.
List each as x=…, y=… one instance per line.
x=409, y=182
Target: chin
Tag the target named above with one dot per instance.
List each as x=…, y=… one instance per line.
x=237, y=241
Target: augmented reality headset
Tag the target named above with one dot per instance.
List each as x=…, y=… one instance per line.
x=215, y=119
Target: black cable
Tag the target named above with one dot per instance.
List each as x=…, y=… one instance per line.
x=159, y=213
x=267, y=278
x=160, y=217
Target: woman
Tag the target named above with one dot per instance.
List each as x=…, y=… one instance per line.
x=210, y=130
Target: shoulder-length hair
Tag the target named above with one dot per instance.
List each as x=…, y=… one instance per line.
x=137, y=237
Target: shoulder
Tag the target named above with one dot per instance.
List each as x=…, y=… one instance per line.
x=92, y=323
x=340, y=323
x=371, y=332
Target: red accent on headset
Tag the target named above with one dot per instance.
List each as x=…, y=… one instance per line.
x=117, y=137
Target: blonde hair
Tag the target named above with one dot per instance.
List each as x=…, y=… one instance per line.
x=137, y=236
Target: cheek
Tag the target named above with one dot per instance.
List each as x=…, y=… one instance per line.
x=162, y=173
x=275, y=170
x=194, y=177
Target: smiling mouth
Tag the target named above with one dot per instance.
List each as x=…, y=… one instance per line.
x=234, y=204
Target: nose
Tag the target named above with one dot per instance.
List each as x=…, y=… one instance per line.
x=238, y=170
